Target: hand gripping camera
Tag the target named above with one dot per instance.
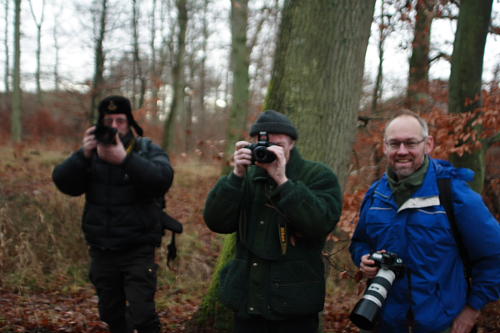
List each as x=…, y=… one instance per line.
x=105, y=134
x=259, y=149
x=364, y=315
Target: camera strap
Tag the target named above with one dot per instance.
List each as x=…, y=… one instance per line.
x=446, y=199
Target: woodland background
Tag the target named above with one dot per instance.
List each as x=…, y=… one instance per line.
x=198, y=73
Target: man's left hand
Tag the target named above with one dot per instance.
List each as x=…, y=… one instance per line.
x=277, y=168
x=113, y=154
x=465, y=320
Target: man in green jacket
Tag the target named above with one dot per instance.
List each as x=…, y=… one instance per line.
x=282, y=208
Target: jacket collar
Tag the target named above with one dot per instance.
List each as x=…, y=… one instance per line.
x=425, y=196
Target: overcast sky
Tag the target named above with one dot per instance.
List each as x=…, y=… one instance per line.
x=76, y=54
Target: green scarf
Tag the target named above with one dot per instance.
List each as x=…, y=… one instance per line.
x=403, y=189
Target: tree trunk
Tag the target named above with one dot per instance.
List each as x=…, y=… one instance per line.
x=377, y=90
x=240, y=60
x=154, y=77
x=318, y=73
x=6, y=48
x=316, y=80
x=57, y=48
x=418, y=77
x=138, y=91
x=98, y=81
x=178, y=81
x=38, y=23
x=465, y=77
x=16, y=117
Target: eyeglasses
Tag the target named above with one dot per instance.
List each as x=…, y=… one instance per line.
x=118, y=121
x=409, y=144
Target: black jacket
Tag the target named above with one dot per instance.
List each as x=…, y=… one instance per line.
x=121, y=207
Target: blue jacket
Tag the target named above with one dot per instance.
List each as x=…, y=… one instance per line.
x=435, y=289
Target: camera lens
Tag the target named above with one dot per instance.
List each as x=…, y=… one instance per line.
x=261, y=154
x=366, y=310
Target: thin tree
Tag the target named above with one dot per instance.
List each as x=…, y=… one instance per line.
x=6, y=48
x=383, y=32
x=57, y=49
x=138, y=93
x=38, y=23
x=16, y=117
x=465, y=77
x=99, y=58
x=152, y=68
x=418, y=77
x=178, y=77
x=239, y=63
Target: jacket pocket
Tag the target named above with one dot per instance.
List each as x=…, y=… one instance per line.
x=233, y=288
x=296, y=288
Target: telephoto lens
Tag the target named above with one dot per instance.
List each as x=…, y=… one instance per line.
x=366, y=311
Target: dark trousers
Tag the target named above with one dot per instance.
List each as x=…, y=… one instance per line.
x=297, y=324
x=125, y=282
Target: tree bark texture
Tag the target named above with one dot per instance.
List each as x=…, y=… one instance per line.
x=318, y=72
x=466, y=71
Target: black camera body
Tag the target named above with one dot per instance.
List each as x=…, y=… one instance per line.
x=105, y=134
x=365, y=312
x=260, y=153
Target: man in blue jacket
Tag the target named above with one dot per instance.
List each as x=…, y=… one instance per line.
x=402, y=214
x=124, y=177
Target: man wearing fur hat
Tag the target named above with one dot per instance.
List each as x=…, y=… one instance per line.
x=282, y=208
x=122, y=178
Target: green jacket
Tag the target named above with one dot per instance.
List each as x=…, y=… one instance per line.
x=269, y=277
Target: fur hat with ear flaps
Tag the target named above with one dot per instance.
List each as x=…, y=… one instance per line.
x=117, y=105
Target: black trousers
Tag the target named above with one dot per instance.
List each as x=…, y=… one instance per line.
x=298, y=324
x=125, y=282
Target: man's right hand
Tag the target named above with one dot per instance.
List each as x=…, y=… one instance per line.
x=89, y=142
x=242, y=158
x=368, y=267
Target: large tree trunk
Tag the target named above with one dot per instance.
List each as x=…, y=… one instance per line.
x=318, y=73
x=98, y=81
x=16, y=117
x=178, y=80
x=317, y=81
x=466, y=71
x=418, y=77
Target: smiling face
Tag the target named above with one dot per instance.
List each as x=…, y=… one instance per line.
x=405, y=145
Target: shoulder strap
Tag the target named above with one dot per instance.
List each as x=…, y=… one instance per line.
x=446, y=199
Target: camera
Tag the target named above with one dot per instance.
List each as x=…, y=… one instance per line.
x=105, y=134
x=365, y=312
x=259, y=149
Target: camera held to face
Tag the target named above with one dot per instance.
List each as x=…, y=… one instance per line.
x=367, y=309
x=259, y=149
x=105, y=134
